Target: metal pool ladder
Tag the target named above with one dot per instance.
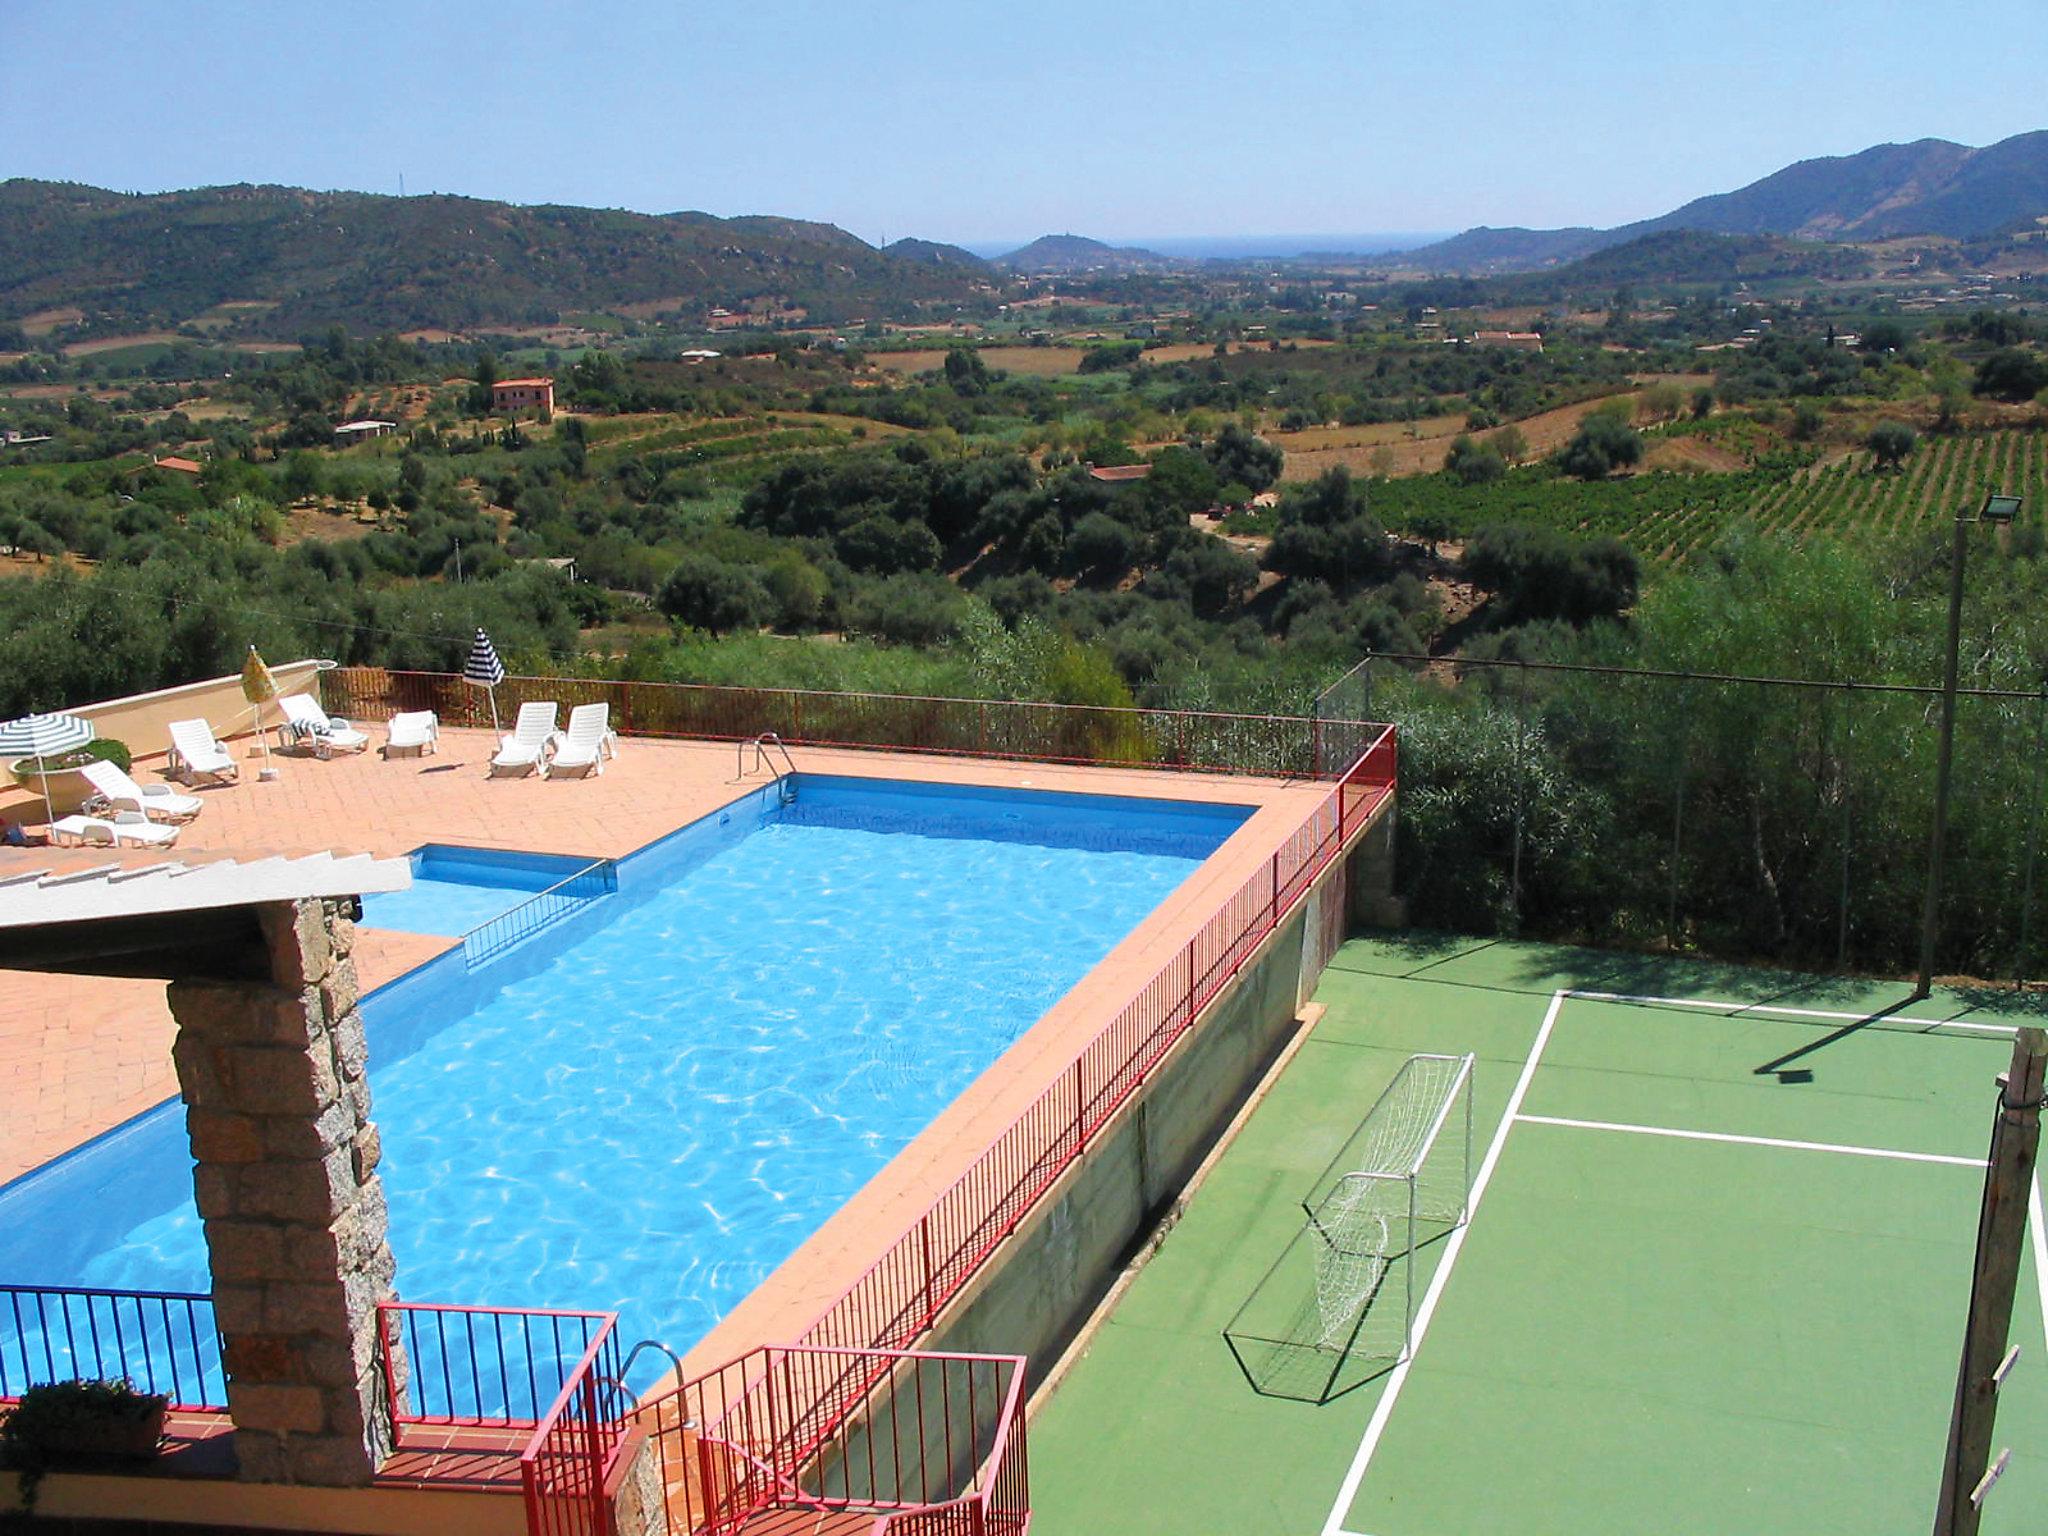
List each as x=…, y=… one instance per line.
x=785, y=776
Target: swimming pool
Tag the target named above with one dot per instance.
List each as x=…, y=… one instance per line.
x=456, y=889
x=650, y=1108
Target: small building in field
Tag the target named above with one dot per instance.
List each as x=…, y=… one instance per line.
x=1118, y=474
x=175, y=465
x=1516, y=341
x=523, y=395
x=361, y=431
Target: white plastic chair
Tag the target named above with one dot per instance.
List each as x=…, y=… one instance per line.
x=111, y=784
x=196, y=755
x=417, y=731
x=587, y=742
x=312, y=726
x=525, y=750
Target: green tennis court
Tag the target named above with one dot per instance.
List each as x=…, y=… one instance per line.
x=1714, y=1275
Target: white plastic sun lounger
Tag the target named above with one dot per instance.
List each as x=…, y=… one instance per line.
x=122, y=827
x=312, y=726
x=587, y=742
x=112, y=785
x=525, y=750
x=417, y=731
x=196, y=754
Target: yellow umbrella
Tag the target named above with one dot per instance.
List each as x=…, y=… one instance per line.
x=259, y=688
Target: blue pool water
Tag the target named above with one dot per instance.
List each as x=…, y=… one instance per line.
x=455, y=889
x=652, y=1108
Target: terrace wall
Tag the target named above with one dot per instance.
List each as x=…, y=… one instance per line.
x=1063, y=1258
x=143, y=720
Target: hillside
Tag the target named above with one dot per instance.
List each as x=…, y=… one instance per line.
x=1929, y=187
x=1077, y=253
x=1690, y=256
x=933, y=253
x=294, y=261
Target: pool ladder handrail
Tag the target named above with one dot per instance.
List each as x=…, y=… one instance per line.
x=783, y=775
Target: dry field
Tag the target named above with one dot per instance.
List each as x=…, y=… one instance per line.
x=116, y=343
x=330, y=523
x=1311, y=452
x=44, y=321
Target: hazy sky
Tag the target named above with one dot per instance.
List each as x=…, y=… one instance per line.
x=965, y=120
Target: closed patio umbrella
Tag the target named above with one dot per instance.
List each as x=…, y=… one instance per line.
x=40, y=737
x=485, y=670
x=259, y=687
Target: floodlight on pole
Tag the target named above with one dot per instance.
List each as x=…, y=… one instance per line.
x=1997, y=509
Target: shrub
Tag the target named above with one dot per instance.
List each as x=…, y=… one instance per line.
x=1889, y=443
x=706, y=593
x=1603, y=445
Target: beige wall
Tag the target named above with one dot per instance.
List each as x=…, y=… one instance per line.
x=143, y=720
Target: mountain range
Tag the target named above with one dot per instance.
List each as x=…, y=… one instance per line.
x=256, y=261
x=286, y=261
x=1928, y=187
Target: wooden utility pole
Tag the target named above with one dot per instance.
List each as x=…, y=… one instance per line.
x=2001, y=1229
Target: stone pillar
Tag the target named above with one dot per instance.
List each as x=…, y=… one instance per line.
x=278, y=1110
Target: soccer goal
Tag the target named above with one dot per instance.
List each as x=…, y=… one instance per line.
x=1399, y=1181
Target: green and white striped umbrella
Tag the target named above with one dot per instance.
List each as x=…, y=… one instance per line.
x=43, y=736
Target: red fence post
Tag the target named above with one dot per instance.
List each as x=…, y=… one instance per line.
x=1080, y=1110
x=925, y=1230
x=600, y=1515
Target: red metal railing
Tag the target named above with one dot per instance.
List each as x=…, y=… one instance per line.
x=566, y=1468
x=1185, y=740
x=479, y=1367
x=901, y=1295
x=162, y=1341
x=923, y=1442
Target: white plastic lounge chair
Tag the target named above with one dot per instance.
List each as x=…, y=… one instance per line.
x=418, y=731
x=587, y=742
x=525, y=750
x=113, y=786
x=196, y=755
x=112, y=832
x=312, y=726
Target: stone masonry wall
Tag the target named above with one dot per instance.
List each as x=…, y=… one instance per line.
x=278, y=1110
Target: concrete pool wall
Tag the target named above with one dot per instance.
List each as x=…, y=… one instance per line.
x=1035, y=1293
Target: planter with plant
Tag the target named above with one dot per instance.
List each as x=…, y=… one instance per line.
x=62, y=1421
x=67, y=790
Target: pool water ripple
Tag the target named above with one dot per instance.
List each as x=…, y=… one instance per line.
x=663, y=1113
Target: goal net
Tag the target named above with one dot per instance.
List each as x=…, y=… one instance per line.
x=1399, y=1181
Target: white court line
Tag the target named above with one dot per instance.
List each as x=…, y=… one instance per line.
x=1755, y=1141
x=1334, y=1525
x=2035, y=1225
x=2040, y=1248
x=1795, y=1013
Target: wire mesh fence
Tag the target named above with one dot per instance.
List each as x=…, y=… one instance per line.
x=1751, y=818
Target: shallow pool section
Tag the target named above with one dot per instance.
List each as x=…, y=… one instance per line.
x=652, y=1106
x=456, y=889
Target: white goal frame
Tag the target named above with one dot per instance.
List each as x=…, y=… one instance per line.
x=1406, y=1171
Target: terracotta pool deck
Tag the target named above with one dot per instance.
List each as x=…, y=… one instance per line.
x=79, y=1055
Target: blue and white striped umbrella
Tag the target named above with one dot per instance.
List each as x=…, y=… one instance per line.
x=485, y=670
x=41, y=736
x=483, y=667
